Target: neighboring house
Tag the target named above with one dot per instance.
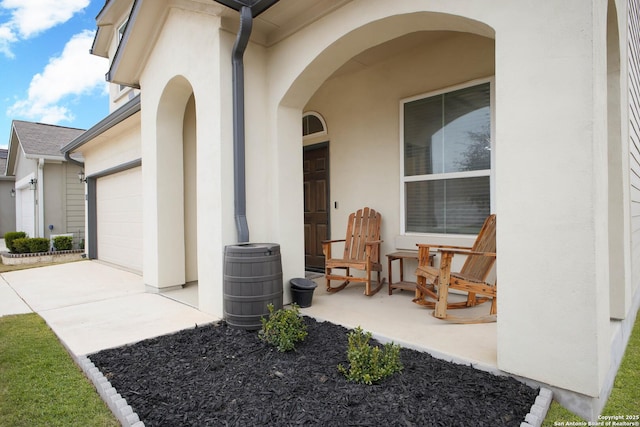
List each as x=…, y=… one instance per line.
x=434, y=113
x=7, y=198
x=49, y=197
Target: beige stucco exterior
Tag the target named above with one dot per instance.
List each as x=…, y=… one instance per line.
x=560, y=181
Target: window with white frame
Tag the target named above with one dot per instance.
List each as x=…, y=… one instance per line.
x=446, y=161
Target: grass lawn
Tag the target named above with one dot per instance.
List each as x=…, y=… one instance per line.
x=625, y=396
x=40, y=385
x=6, y=268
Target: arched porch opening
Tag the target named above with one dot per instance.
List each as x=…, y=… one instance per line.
x=619, y=280
x=176, y=186
x=357, y=82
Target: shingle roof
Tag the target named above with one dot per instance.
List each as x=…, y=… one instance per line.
x=43, y=139
x=3, y=162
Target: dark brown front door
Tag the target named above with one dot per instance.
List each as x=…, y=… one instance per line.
x=316, y=204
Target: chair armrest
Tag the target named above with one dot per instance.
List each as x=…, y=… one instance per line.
x=326, y=247
x=333, y=241
x=459, y=252
x=427, y=245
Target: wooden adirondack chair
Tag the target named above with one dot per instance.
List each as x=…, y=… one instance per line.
x=361, y=252
x=472, y=277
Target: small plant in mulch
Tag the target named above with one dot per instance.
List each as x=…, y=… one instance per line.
x=369, y=364
x=284, y=328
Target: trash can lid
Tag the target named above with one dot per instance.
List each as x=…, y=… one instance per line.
x=302, y=283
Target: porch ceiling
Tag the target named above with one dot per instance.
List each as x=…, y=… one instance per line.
x=392, y=48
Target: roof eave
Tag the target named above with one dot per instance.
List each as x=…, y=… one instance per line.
x=116, y=117
x=50, y=157
x=116, y=74
x=100, y=45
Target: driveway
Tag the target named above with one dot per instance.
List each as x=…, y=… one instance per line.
x=92, y=306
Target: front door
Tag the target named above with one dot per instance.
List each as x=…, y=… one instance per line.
x=316, y=204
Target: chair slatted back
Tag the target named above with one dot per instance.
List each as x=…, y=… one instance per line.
x=363, y=226
x=478, y=267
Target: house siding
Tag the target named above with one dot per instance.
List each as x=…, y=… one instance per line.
x=7, y=207
x=634, y=135
x=75, y=204
x=53, y=195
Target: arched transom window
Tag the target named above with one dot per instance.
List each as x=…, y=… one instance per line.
x=313, y=125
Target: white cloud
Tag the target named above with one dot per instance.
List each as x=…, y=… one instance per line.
x=72, y=74
x=6, y=38
x=31, y=17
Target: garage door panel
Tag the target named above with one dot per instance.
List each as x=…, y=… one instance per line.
x=26, y=218
x=119, y=214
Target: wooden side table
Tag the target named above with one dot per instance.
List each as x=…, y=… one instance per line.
x=402, y=255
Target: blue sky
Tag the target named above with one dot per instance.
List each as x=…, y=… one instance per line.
x=47, y=74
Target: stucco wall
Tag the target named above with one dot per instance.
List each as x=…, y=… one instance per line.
x=117, y=146
x=172, y=75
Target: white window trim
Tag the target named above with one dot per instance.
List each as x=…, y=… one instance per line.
x=468, y=174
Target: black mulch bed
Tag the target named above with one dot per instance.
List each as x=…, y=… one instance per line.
x=215, y=375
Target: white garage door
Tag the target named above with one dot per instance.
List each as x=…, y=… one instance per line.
x=26, y=217
x=119, y=218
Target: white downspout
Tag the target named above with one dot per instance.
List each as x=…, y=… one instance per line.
x=40, y=187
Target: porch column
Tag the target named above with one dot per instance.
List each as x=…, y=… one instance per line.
x=161, y=131
x=551, y=182
x=290, y=194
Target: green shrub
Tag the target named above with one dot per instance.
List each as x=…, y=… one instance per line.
x=63, y=243
x=39, y=244
x=284, y=328
x=11, y=236
x=369, y=364
x=21, y=245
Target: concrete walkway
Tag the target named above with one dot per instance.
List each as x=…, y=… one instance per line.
x=92, y=306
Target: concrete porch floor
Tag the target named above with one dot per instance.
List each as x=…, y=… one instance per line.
x=396, y=318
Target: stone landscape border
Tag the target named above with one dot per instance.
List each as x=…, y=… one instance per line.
x=42, y=257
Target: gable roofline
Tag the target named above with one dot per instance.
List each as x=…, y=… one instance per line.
x=3, y=164
x=34, y=140
x=116, y=117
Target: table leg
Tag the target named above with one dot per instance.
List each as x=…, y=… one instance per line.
x=390, y=274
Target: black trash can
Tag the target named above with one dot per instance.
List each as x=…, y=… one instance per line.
x=252, y=281
x=302, y=291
